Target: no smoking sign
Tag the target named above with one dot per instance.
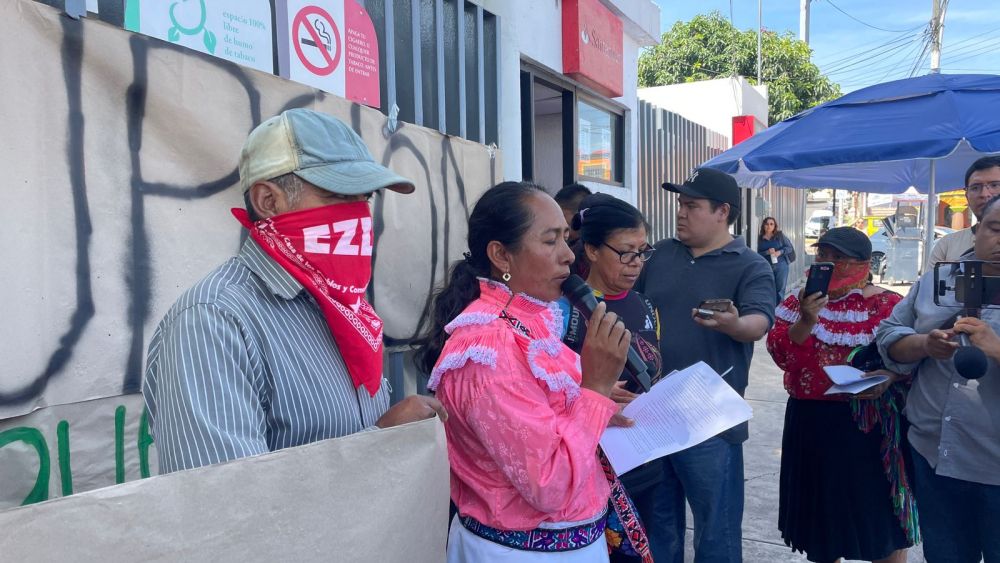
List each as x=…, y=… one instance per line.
x=332, y=46
x=316, y=38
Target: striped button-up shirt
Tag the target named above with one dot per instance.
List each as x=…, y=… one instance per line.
x=243, y=364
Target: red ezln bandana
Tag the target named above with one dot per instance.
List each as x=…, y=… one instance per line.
x=328, y=250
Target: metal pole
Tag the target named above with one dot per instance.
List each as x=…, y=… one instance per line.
x=804, y=21
x=759, y=30
x=929, y=221
x=937, y=35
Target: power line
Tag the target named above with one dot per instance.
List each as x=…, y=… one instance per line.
x=874, y=55
x=884, y=67
x=867, y=75
x=966, y=56
x=830, y=2
x=893, y=71
x=970, y=38
x=921, y=60
x=972, y=46
x=865, y=48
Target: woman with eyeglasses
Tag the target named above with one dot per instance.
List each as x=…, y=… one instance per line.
x=775, y=247
x=613, y=234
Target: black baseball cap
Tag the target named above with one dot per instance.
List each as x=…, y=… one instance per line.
x=849, y=241
x=708, y=183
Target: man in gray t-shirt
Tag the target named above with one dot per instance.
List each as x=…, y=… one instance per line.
x=706, y=262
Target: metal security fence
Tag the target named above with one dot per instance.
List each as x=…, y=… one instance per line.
x=438, y=60
x=670, y=146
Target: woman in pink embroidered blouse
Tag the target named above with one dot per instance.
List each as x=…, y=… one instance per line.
x=525, y=412
x=844, y=491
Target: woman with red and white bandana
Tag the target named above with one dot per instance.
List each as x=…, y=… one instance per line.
x=844, y=489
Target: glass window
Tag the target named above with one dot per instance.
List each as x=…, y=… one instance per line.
x=598, y=143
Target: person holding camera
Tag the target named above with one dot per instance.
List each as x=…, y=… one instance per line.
x=844, y=490
x=954, y=430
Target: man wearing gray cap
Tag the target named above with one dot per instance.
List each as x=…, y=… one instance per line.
x=278, y=347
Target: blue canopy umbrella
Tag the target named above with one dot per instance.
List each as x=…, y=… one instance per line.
x=921, y=132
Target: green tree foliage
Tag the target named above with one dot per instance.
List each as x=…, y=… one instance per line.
x=710, y=47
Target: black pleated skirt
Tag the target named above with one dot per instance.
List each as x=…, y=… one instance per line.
x=834, y=497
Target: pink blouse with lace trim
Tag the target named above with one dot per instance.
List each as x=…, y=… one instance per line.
x=522, y=433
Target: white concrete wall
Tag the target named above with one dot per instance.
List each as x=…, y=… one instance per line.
x=712, y=103
x=532, y=30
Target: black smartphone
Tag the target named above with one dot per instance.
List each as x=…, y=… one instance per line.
x=818, y=279
x=708, y=308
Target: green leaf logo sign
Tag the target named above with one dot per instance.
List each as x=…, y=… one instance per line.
x=209, y=41
x=175, y=32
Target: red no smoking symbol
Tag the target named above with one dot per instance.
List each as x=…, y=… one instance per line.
x=317, y=37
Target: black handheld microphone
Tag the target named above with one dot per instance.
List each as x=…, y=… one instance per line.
x=970, y=362
x=580, y=295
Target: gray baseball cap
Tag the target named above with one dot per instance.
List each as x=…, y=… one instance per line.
x=318, y=148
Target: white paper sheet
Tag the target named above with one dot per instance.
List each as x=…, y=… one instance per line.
x=849, y=379
x=683, y=410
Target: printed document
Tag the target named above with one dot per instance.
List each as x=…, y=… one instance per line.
x=682, y=410
x=849, y=379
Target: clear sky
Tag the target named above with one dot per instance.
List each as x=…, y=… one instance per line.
x=849, y=49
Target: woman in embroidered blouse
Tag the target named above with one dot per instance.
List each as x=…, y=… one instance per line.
x=525, y=412
x=844, y=490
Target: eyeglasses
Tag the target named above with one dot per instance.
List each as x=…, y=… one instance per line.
x=976, y=188
x=630, y=256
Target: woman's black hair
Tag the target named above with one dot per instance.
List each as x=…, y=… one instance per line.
x=601, y=214
x=777, y=230
x=501, y=214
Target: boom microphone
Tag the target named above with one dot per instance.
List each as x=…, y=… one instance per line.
x=580, y=295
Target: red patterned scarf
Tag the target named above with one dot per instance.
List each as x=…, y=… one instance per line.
x=848, y=275
x=328, y=250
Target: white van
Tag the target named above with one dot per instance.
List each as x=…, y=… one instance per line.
x=818, y=222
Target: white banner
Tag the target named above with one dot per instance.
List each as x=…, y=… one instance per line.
x=373, y=496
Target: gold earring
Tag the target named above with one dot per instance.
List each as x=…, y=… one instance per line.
x=505, y=277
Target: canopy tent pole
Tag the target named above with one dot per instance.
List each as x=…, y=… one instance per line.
x=930, y=220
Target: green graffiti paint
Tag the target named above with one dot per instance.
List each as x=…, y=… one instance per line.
x=34, y=438
x=65, y=470
x=120, y=444
x=144, y=442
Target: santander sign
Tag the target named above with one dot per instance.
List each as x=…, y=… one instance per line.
x=592, y=46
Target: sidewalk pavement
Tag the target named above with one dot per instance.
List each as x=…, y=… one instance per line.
x=762, y=541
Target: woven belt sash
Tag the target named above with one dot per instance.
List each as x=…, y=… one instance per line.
x=540, y=539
